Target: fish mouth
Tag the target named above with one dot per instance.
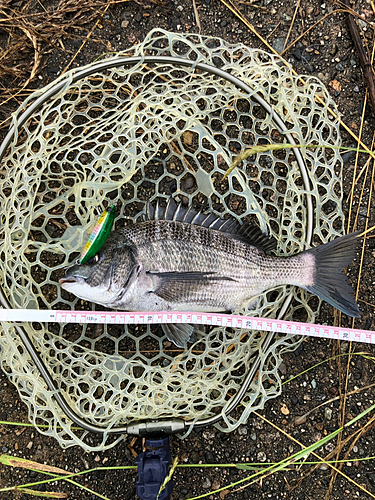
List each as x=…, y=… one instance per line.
x=67, y=280
x=71, y=280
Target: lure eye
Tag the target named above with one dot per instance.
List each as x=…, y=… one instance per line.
x=94, y=260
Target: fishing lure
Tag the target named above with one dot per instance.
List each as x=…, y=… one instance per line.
x=99, y=234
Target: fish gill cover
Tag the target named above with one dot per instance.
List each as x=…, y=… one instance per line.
x=134, y=133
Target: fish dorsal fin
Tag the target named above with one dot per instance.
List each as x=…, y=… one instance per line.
x=246, y=232
x=253, y=235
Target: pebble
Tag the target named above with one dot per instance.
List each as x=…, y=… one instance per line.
x=215, y=485
x=333, y=50
x=208, y=434
x=223, y=24
x=125, y=24
x=356, y=89
x=180, y=8
x=355, y=449
x=300, y=420
x=328, y=414
x=29, y=445
x=313, y=384
x=138, y=17
x=253, y=436
x=329, y=447
x=206, y=483
x=242, y=430
x=339, y=67
x=261, y=456
x=4, y=449
x=348, y=155
x=294, y=400
x=282, y=368
x=278, y=44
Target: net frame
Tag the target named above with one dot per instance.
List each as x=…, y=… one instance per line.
x=65, y=435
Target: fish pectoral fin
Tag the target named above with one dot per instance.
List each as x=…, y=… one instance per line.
x=179, y=334
x=174, y=286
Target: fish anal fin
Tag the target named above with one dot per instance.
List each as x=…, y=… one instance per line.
x=179, y=334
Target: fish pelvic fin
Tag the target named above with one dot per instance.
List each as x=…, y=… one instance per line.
x=330, y=283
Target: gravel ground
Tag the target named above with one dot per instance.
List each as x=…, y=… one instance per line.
x=311, y=406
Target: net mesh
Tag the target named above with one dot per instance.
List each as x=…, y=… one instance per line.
x=138, y=133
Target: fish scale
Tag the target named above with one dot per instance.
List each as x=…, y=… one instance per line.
x=167, y=263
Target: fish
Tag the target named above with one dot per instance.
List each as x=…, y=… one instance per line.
x=181, y=259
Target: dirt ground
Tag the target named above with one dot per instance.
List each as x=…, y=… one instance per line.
x=34, y=49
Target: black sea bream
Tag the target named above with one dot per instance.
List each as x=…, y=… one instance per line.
x=183, y=260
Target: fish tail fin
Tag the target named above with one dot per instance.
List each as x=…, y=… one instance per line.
x=330, y=283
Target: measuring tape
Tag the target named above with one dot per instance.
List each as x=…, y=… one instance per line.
x=157, y=318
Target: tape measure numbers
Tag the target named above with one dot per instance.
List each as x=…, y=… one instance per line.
x=214, y=319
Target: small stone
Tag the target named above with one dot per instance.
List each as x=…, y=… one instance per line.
x=242, y=430
x=294, y=400
x=355, y=449
x=206, y=483
x=29, y=445
x=261, y=456
x=356, y=89
x=253, y=436
x=319, y=426
x=125, y=24
x=97, y=458
x=215, y=485
x=321, y=76
x=282, y=368
x=223, y=24
x=278, y=44
x=329, y=447
x=300, y=420
x=180, y=8
x=333, y=50
x=4, y=449
x=209, y=434
x=339, y=67
x=313, y=384
x=328, y=414
x=138, y=17
x=258, y=424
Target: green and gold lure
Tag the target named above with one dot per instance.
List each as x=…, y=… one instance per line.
x=99, y=235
